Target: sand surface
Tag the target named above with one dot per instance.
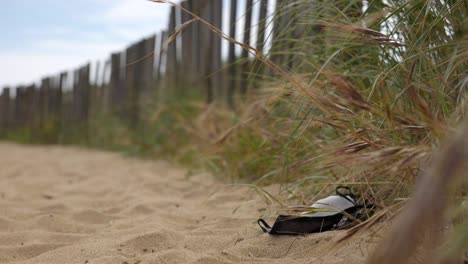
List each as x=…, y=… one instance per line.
x=69, y=205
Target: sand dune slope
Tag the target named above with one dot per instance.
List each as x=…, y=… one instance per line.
x=69, y=205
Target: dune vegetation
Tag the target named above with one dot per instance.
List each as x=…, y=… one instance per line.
x=358, y=93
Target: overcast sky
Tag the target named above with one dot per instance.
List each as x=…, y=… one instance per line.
x=48, y=36
x=45, y=37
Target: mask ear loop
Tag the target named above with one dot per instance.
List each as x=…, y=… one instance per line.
x=346, y=194
x=264, y=226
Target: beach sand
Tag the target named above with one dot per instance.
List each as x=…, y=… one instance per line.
x=71, y=205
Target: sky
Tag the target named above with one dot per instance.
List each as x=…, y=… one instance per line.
x=46, y=37
x=49, y=36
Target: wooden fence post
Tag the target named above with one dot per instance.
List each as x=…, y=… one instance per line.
x=67, y=105
x=261, y=38
x=216, y=73
x=31, y=108
x=131, y=57
x=35, y=111
x=95, y=92
x=2, y=112
x=278, y=32
x=205, y=50
x=262, y=25
x=148, y=65
x=105, y=86
x=171, y=61
x=296, y=32
x=162, y=66
x=53, y=99
x=16, y=114
x=196, y=43
x=60, y=99
x=114, y=81
x=138, y=83
x=82, y=95
x=187, y=43
x=6, y=109
x=44, y=102
x=232, y=86
x=20, y=108
x=105, y=72
x=96, y=73
x=159, y=57
x=245, y=53
x=86, y=83
x=75, y=97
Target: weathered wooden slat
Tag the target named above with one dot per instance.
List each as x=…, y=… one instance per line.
x=67, y=104
x=131, y=57
x=258, y=66
x=75, y=95
x=22, y=107
x=95, y=93
x=147, y=73
x=295, y=33
x=171, y=59
x=2, y=114
x=86, y=92
x=60, y=97
x=18, y=108
x=97, y=72
x=187, y=43
x=6, y=101
x=53, y=99
x=138, y=83
x=81, y=94
x=114, y=81
x=216, y=73
x=148, y=65
x=262, y=25
x=278, y=32
x=44, y=102
x=104, y=92
x=116, y=88
x=245, y=54
x=206, y=50
x=32, y=103
x=232, y=86
x=196, y=32
x=159, y=58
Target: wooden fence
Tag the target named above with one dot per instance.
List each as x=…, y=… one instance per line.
x=148, y=70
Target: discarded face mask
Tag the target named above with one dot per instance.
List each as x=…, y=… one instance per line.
x=333, y=212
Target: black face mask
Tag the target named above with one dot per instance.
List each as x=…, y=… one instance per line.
x=333, y=212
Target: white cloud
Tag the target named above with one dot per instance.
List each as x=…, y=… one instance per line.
x=135, y=11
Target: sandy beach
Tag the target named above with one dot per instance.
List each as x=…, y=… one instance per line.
x=70, y=205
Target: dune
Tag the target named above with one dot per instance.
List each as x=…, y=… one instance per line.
x=71, y=205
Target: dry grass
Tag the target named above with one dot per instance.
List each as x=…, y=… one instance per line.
x=360, y=108
x=425, y=215
x=367, y=128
